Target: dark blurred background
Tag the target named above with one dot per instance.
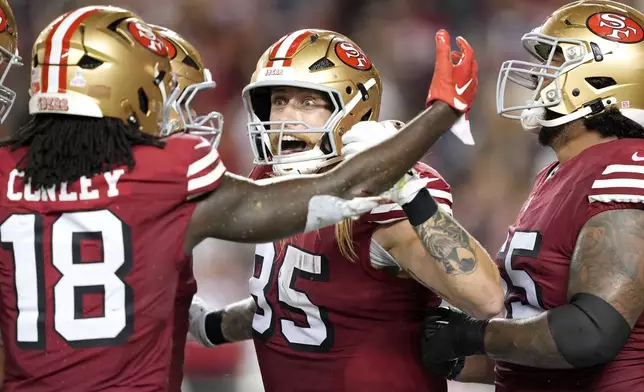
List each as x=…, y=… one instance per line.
x=490, y=180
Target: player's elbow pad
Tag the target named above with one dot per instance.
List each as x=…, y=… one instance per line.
x=588, y=331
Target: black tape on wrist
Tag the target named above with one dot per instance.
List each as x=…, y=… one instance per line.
x=421, y=208
x=213, y=327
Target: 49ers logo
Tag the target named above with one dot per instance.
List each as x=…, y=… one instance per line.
x=352, y=55
x=53, y=104
x=144, y=35
x=172, y=50
x=615, y=27
x=3, y=20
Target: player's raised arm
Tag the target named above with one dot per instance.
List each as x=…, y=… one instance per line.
x=241, y=210
x=435, y=250
x=464, y=261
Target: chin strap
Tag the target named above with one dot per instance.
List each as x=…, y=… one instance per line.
x=532, y=120
x=306, y=167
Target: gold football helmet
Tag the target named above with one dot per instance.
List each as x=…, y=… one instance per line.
x=591, y=56
x=321, y=60
x=192, y=77
x=101, y=62
x=8, y=55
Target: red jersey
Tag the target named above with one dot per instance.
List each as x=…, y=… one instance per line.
x=186, y=289
x=89, y=270
x=326, y=323
x=535, y=260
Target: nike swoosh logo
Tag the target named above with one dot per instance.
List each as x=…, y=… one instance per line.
x=461, y=90
x=637, y=158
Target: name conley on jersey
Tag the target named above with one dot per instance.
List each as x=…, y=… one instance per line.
x=14, y=193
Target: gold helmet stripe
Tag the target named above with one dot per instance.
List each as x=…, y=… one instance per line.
x=57, y=46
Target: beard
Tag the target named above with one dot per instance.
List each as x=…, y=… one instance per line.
x=550, y=135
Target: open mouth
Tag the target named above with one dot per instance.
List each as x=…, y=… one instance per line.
x=291, y=145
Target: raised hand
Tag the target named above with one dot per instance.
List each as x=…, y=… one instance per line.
x=455, y=79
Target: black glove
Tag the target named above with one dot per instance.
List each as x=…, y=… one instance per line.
x=450, y=335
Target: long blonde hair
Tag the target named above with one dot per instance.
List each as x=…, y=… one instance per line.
x=343, y=235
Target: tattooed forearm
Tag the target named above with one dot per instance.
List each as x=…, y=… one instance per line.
x=237, y=321
x=607, y=263
x=448, y=243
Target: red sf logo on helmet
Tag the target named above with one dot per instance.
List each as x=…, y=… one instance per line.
x=144, y=35
x=3, y=21
x=615, y=27
x=352, y=55
x=172, y=50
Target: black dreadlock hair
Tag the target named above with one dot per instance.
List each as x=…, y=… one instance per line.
x=63, y=148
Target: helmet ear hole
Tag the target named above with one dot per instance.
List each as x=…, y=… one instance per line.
x=367, y=115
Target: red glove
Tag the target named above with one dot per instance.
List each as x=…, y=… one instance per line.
x=455, y=77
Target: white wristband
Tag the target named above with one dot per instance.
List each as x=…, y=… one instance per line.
x=327, y=210
x=197, y=321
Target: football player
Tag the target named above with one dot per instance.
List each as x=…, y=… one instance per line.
x=573, y=261
x=98, y=214
x=192, y=78
x=339, y=309
x=10, y=57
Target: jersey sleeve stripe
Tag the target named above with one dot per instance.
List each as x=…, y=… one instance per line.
x=639, y=169
x=208, y=179
x=390, y=220
x=202, y=163
x=608, y=198
x=386, y=208
x=441, y=194
x=618, y=183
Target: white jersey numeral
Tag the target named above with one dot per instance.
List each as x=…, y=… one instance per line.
x=317, y=334
x=528, y=303
x=23, y=235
